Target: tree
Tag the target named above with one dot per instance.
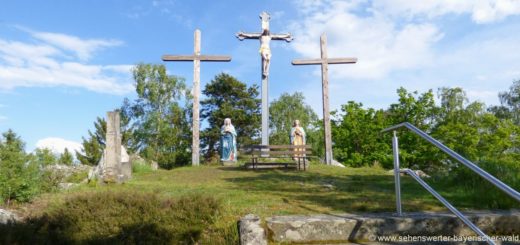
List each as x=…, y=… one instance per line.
x=44, y=156
x=421, y=111
x=159, y=124
x=356, y=132
x=284, y=111
x=19, y=177
x=227, y=97
x=66, y=158
x=510, y=103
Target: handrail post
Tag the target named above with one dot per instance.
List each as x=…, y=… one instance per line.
x=397, y=177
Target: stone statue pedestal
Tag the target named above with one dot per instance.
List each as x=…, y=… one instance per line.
x=228, y=163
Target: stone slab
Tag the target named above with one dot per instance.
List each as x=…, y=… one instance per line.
x=251, y=231
x=363, y=227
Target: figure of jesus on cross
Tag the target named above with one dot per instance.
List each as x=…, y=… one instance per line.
x=265, y=38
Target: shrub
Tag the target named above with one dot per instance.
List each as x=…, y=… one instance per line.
x=19, y=177
x=141, y=168
x=479, y=190
x=125, y=217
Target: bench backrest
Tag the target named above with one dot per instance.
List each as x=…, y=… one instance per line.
x=277, y=149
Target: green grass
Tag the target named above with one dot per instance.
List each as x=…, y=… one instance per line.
x=281, y=192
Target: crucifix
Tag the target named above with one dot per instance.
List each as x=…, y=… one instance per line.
x=196, y=58
x=265, y=38
x=324, y=62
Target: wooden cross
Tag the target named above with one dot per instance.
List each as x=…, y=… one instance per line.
x=324, y=62
x=265, y=38
x=196, y=58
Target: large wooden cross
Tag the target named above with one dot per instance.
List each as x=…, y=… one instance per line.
x=196, y=58
x=324, y=62
x=265, y=38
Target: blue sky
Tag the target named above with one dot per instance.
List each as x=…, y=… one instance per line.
x=63, y=63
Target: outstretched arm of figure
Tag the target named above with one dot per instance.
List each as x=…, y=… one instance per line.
x=242, y=35
x=287, y=37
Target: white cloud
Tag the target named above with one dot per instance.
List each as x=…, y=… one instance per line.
x=83, y=48
x=481, y=11
x=58, y=145
x=47, y=63
x=402, y=43
x=379, y=44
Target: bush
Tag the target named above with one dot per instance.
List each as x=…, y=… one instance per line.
x=141, y=168
x=479, y=190
x=109, y=217
x=19, y=176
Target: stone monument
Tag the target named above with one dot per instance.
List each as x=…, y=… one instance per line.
x=115, y=165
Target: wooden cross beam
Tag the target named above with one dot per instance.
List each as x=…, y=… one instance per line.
x=196, y=58
x=324, y=62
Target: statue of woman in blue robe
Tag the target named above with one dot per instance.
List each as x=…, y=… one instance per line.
x=228, y=142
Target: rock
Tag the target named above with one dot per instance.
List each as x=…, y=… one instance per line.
x=251, y=232
x=420, y=173
x=337, y=164
x=124, y=171
x=367, y=226
x=67, y=170
x=154, y=165
x=7, y=217
x=328, y=186
x=66, y=186
x=287, y=229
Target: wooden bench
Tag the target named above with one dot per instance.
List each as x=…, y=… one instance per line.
x=299, y=153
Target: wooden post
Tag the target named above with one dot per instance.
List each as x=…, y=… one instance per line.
x=196, y=58
x=324, y=62
x=195, y=149
x=325, y=98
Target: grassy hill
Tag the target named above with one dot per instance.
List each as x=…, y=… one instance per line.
x=321, y=189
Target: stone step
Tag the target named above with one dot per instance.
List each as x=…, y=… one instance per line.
x=365, y=228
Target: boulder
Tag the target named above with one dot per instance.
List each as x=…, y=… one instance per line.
x=7, y=217
x=123, y=171
x=251, y=231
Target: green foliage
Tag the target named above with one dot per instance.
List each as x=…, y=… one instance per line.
x=44, y=157
x=76, y=177
x=95, y=218
x=19, y=177
x=93, y=145
x=510, y=103
x=160, y=126
x=284, y=111
x=506, y=169
x=467, y=128
x=141, y=168
x=356, y=135
x=421, y=111
x=50, y=180
x=227, y=97
x=66, y=158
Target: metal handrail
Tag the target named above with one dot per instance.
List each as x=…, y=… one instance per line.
x=490, y=178
x=447, y=205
